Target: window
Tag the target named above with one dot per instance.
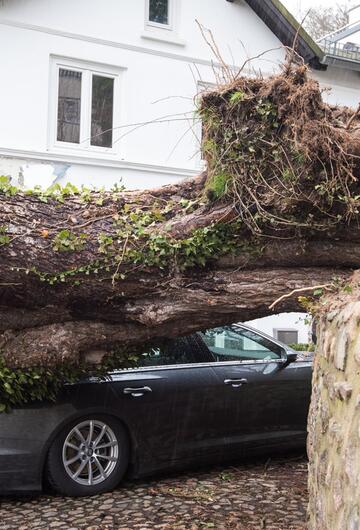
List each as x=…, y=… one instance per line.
x=287, y=336
x=69, y=106
x=230, y=343
x=102, y=109
x=85, y=106
x=159, y=13
x=184, y=350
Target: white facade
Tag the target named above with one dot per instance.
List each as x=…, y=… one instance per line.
x=159, y=69
x=287, y=327
x=156, y=71
x=341, y=86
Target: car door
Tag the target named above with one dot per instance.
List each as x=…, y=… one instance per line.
x=169, y=402
x=265, y=401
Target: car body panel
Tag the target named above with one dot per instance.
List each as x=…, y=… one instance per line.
x=174, y=408
x=271, y=407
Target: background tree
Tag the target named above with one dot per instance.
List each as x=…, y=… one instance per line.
x=324, y=19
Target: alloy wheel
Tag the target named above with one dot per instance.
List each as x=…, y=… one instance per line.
x=90, y=452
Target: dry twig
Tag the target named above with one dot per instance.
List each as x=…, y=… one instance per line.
x=301, y=290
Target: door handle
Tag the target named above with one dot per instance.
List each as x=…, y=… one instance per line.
x=138, y=391
x=235, y=383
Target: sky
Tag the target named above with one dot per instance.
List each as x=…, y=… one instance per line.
x=294, y=5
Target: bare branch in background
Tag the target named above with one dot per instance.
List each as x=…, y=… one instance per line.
x=324, y=19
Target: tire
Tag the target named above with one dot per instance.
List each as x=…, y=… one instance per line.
x=89, y=456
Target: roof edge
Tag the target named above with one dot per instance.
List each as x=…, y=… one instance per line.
x=298, y=28
x=285, y=26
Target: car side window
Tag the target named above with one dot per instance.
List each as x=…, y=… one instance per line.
x=183, y=350
x=230, y=343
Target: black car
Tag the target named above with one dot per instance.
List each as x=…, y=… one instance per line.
x=204, y=398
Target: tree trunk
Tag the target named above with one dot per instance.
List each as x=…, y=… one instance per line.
x=277, y=210
x=334, y=420
x=48, y=316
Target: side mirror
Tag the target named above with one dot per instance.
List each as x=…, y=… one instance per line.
x=290, y=358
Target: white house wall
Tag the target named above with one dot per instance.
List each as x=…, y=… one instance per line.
x=354, y=18
x=341, y=85
x=123, y=22
x=159, y=81
x=285, y=322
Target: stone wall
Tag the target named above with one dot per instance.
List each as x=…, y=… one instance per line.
x=334, y=419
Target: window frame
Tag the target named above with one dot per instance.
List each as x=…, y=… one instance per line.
x=196, y=365
x=150, y=24
x=88, y=70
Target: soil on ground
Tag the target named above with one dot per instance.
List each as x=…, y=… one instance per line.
x=268, y=494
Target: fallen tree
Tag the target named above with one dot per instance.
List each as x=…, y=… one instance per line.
x=86, y=273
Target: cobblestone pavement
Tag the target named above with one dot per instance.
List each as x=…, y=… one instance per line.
x=259, y=494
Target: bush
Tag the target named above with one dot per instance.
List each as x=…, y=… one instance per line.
x=302, y=347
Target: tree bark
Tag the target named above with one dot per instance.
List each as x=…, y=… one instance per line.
x=49, y=324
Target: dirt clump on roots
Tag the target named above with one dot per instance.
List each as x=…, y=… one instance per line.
x=288, y=161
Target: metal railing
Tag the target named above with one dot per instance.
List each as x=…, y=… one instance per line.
x=343, y=50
